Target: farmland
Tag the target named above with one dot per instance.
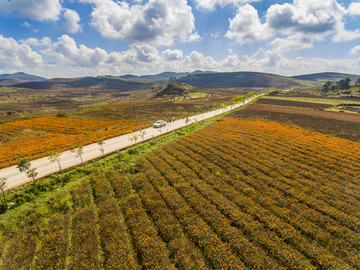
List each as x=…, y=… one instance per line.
x=238, y=194
x=33, y=138
x=313, y=114
x=150, y=110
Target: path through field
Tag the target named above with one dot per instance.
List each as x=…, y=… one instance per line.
x=92, y=151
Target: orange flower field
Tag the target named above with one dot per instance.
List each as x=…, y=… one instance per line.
x=238, y=194
x=55, y=134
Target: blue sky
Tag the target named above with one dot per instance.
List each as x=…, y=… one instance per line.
x=72, y=38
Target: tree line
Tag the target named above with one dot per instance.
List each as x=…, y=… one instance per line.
x=343, y=84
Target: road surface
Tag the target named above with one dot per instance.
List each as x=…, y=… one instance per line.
x=68, y=159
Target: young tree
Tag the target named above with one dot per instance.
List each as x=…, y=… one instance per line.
x=32, y=173
x=134, y=137
x=23, y=165
x=102, y=150
x=79, y=151
x=3, y=182
x=101, y=144
x=142, y=134
x=55, y=157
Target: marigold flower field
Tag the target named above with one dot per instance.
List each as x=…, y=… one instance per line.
x=56, y=134
x=238, y=194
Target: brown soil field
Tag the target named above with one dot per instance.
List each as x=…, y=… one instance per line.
x=341, y=125
x=291, y=103
x=302, y=111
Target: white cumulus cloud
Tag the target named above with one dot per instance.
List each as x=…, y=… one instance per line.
x=211, y=4
x=15, y=55
x=66, y=49
x=72, y=19
x=354, y=9
x=44, y=42
x=292, y=43
x=355, y=50
x=296, y=25
x=172, y=55
x=156, y=22
x=246, y=26
x=39, y=10
x=306, y=16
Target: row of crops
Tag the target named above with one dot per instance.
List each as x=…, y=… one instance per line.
x=239, y=194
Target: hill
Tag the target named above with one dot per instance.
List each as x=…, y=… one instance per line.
x=326, y=76
x=9, y=82
x=21, y=76
x=113, y=83
x=238, y=79
x=174, y=89
x=164, y=76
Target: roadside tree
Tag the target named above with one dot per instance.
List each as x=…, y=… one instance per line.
x=55, y=157
x=78, y=151
x=3, y=182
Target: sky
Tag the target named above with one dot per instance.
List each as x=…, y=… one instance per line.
x=74, y=38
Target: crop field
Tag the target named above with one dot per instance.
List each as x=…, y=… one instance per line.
x=238, y=194
x=291, y=103
x=33, y=138
x=151, y=110
x=315, y=99
x=339, y=124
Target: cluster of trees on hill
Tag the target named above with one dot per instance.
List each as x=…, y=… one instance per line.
x=343, y=84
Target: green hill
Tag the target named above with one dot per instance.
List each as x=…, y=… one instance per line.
x=87, y=82
x=326, y=76
x=238, y=79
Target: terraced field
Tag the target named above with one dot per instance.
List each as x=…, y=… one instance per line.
x=238, y=194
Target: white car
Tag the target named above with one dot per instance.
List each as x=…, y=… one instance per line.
x=159, y=123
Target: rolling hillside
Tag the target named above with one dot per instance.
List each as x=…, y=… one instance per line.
x=87, y=82
x=326, y=76
x=20, y=77
x=238, y=79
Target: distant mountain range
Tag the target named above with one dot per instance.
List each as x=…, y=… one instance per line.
x=19, y=77
x=96, y=83
x=202, y=79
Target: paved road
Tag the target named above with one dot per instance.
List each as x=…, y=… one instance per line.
x=92, y=151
